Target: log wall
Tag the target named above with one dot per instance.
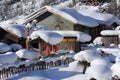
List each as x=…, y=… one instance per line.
x=110, y=39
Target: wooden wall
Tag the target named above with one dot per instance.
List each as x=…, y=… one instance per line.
x=70, y=43
x=110, y=39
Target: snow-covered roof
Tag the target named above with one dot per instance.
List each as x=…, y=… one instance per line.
x=19, y=30
x=81, y=36
x=69, y=14
x=48, y=36
x=74, y=16
x=110, y=32
x=86, y=17
x=100, y=18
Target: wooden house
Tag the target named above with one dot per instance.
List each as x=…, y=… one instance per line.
x=71, y=19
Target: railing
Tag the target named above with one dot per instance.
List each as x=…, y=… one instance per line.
x=39, y=65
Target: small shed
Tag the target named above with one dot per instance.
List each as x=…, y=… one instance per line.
x=71, y=39
x=110, y=36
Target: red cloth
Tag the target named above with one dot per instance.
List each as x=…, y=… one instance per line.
x=55, y=48
x=48, y=50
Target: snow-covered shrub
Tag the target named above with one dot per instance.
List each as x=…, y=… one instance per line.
x=116, y=69
x=98, y=72
x=4, y=48
x=15, y=47
x=9, y=57
x=87, y=55
x=26, y=54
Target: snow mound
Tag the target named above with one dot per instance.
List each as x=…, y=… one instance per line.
x=90, y=55
x=98, y=40
x=76, y=66
x=73, y=66
x=113, y=46
x=4, y=48
x=9, y=57
x=99, y=72
x=99, y=62
x=15, y=47
x=116, y=69
x=30, y=55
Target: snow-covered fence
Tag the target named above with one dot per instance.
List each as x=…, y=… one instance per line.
x=11, y=70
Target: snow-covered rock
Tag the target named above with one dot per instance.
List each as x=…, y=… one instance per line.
x=4, y=48
x=30, y=55
x=9, y=57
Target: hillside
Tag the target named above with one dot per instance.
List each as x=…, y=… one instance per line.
x=14, y=8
